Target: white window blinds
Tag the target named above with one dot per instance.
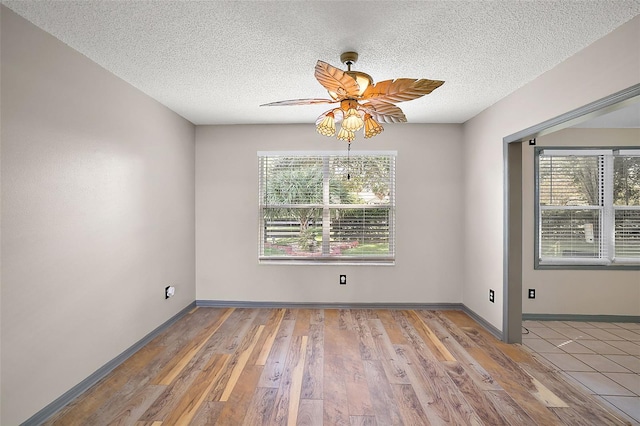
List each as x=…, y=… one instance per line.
x=626, y=204
x=327, y=206
x=588, y=207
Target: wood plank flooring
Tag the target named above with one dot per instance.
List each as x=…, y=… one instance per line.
x=331, y=367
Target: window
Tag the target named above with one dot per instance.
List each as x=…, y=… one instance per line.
x=327, y=207
x=588, y=207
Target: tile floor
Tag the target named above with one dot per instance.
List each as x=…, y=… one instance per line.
x=602, y=357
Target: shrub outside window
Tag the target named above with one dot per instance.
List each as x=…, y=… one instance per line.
x=588, y=207
x=319, y=206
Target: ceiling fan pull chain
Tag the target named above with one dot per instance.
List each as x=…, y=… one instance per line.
x=348, y=164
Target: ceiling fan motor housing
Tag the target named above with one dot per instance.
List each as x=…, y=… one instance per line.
x=364, y=80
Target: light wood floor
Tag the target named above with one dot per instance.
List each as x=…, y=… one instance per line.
x=331, y=367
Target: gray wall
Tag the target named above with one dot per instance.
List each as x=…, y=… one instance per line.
x=429, y=229
x=97, y=217
x=607, y=66
x=588, y=292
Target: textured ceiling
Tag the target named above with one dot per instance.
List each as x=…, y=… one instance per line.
x=215, y=62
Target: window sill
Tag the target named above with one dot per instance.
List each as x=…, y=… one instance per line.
x=586, y=266
x=325, y=261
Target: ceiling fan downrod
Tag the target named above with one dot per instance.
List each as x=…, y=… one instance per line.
x=349, y=58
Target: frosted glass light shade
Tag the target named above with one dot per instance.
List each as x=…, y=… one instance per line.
x=327, y=126
x=346, y=135
x=371, y=127
x=352, y=120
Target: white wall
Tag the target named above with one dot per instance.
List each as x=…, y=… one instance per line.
x=605, y=67
x=590, y=292
x=97, y=216
x=428, y=230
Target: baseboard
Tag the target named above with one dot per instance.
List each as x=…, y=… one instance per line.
x=581, y=317
x=484, y=323
x=327, y=305
x=48, y=411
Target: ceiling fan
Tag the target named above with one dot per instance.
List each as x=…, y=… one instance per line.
x=362, y=103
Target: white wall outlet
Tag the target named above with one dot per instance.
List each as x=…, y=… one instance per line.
x=169, y=291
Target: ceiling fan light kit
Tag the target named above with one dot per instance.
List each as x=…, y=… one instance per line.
x=361, y=103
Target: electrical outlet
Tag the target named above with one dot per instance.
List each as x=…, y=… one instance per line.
x=532, y=293
x=343, y=280
x=169, y=291
x=492, y=296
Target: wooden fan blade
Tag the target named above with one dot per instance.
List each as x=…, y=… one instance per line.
x=337, y=81
x=400, y=90
x=300, y=102
x=385, y=112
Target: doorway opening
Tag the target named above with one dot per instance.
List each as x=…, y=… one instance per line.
x=513, y=225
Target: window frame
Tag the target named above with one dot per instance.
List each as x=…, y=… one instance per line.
x=327, y=206
x=608, y=210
